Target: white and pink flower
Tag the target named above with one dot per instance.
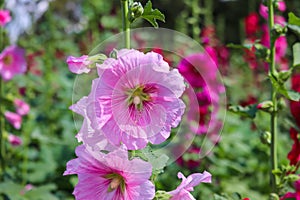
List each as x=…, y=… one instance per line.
x=134, y=101
x=110, y=176
x=79, y=65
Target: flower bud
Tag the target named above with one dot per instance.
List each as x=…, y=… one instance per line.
x=281, y=103
x=266, y=106
x=136, y=10
x=265, y=137
x=273, y=196
x=278, y=30
x=261, y=51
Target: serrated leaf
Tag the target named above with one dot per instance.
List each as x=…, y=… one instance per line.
x=296, y=55
x=280, y=88
x=247, y=111
x=158, y=162
x=152, y=15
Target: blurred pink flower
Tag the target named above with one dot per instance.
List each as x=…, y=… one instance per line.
x=12, y=62
x=251, y=24
x=110, y=176
x=281, y=6
x=27, y=188
x=182, y=192
x=21, y=106
x=263, y=11
x=79, y=65
x=293, y=195
x=135, y=100
x=14, y=119
x=4, y=17
x=14, y=140
x=197, y=67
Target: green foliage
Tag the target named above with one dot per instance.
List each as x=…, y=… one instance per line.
x=296, y=53
x=294, y=23
x=247, y=111
x=280, y=88
x=157, y=161
x=152, y=15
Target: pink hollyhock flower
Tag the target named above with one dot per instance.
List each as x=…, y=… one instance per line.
x=294, y=154
x=14, y=119
x=263, y=11
x=110, y=176
x=197, y=66
x=4, y=17
x=281, y=6
x=135, y=100
x=14, y=140
x=79, y=65
x=251, y=24
x=21, y=106
x=293, y=195
x=187, y=185
x=87, y=134
x=12, y=62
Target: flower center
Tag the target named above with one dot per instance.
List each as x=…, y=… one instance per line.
x=116, y=181
x=8, y=60
x=137, y=96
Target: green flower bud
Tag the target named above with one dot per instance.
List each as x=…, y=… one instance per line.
x=273, y=196
x=266, y=106
x=136, y=10
x=265, y=137
x=261, y=51
x=281, y=103
x=278, y=30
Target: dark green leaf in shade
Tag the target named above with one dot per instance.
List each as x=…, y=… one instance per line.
x=152, y=15
x=247, y=111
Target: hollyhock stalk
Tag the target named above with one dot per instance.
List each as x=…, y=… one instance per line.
x=2, y=147
x=2, y=125
x=273, y=72
x=126, y=23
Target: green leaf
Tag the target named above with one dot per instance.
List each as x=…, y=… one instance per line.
x=248, y=111
x=296, y=55
x=280, y=88
x=239, y=46
x=152, y=15
x=157, y=161
x=294, y=23
x=293, y=19
x=12, y=190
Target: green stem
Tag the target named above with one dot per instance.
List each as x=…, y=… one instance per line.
x=126, y=23
x=273, y=72
x=195, y=14
x=2, y=138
